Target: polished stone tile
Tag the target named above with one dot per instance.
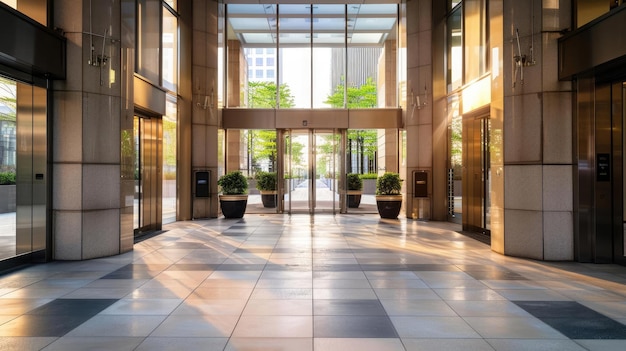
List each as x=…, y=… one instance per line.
x=212, y=326
x=433, y=327
x=177, y=344
x=403, y=307
x=80, y=307
x=274, y=327
x=118, y=325
x=447, y=345
x=575, y=320
x=193, y=306
x=24, y=343
x=256, y=344
x=513, y=327
x=361, y=326
x=366, y=344
x=280, y=307
x=539, y=345
x=346, y=307
x=94, y=343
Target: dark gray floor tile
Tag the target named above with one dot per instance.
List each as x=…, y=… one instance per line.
x=353, y=327
x=81, y=307
x=574, y=320
x=42, y=325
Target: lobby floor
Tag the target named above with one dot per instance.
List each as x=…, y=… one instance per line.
x=324, y=283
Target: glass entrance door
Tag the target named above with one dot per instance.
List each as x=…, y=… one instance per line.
x=310, y=175
x=148, y=179
x=476, y=169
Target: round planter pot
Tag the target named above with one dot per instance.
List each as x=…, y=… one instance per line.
x=389, y=205
x=354, y=198
x=268, y=197
x=233, y=206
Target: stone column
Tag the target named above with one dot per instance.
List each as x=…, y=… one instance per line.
x=425, y=129
x=204, y=126
x=531, y=132
x=88, y=199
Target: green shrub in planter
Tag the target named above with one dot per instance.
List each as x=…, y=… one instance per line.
x=355, y=190
x=388, y=195
x=7, y=178
x=266, y=183
x=265, y=180
x=233, y=183
x=354, y=181
x=389, y=184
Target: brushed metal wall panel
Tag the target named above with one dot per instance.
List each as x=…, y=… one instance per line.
x=44, y=56
x=248, y=119
x=148, y=97
x=592, y=45
x=376, y=118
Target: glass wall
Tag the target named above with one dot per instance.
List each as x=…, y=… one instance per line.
x=320, y=55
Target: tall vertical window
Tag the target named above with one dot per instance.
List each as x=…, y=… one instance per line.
x=169, y=80
x=170, y=49
x=148, y=39
x=454, y=74
x=475, y=35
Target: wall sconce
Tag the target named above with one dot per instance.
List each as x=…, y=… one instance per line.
x=523, y=60
x=208, y=101
x=416, y=102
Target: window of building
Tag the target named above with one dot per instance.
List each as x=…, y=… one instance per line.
x=169, y=40
x=35, y=9
x=454, y=74
x=148, y=60
x=259, y=73
x=259, y=62
x=588, y=10
x=475, y=37
x=270, y=73
x=322, y=55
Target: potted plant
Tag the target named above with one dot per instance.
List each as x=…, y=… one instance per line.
x=355, y=189
x=388, y=195
x=266, y=183
x=233, y=199
x=7, y=191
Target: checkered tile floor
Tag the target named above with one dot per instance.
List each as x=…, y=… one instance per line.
x=279, y=282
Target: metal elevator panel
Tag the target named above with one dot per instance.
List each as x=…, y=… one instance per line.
x=32, y=177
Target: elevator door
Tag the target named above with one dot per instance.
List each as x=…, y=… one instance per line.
x=311, y=164
x=148, y=168
x=476, y=166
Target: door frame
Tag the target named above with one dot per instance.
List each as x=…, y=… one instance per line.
x=338, y=165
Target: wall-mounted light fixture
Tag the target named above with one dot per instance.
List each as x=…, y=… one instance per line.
x=416, y=101
x=523, y=60
x=208, y=101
